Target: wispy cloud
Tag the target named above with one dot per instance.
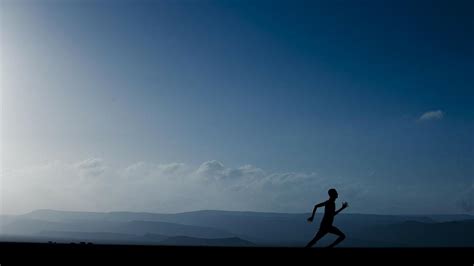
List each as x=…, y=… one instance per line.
x=432, y=115
x=95, y=185
x=174, y=187
x=91, y=167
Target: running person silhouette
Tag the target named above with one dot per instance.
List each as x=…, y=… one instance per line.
x=326, y=223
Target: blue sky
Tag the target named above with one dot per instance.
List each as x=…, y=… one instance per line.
x=373, y=97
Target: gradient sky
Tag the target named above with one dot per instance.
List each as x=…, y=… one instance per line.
x=239, y=105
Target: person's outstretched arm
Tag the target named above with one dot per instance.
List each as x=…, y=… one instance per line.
x=344, y=205
x=310, y=219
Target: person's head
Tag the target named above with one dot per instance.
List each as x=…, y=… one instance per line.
x=332, y=193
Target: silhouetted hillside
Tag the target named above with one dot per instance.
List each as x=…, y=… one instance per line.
x=101, y=237
x=192, y=241
x=264, y=229
x=418, y=234
x=170, y=229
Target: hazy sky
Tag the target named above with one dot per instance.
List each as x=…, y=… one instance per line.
x=172, y=106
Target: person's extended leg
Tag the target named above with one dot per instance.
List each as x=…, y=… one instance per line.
x=318, y=236
x=336, y=231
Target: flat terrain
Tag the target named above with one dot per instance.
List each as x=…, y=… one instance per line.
x=85, y=254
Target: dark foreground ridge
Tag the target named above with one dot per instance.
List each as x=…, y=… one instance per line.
x=91, y=254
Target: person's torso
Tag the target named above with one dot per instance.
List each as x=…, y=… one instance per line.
x=329, y=212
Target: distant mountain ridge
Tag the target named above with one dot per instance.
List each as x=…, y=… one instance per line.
x=264, y=229
x=191, y=241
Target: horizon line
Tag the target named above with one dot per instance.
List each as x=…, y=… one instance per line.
x=234, y=211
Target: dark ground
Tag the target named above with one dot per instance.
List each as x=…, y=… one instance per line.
x=92, y=254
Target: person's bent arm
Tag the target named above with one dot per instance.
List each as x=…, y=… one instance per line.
x=310, y=219
x=344, y=205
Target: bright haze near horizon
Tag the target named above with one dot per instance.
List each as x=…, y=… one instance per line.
x=172, y=106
